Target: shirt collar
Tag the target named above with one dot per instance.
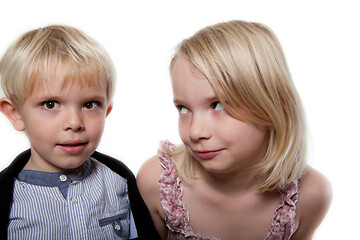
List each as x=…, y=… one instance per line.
x=56, y=179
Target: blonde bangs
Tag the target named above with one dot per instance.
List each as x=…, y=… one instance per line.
x=41, y=55
x=85, y=73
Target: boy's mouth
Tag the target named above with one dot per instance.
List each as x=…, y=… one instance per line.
x=72, y=147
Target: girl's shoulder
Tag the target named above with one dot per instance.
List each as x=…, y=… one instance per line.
x=147, y=181
x=314, y=201
x=148, y=176
x=153, y=168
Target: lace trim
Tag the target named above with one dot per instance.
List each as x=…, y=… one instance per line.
x=177, y=217
x=283, y=222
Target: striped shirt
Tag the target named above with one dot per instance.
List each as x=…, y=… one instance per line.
x=90, y=203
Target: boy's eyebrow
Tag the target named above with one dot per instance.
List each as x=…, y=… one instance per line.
x=98, y=97
x=49, y=96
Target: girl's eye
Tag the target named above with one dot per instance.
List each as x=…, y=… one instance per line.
x=91, y=105
x=217, y=106
x=182, y=109
x=50, y=105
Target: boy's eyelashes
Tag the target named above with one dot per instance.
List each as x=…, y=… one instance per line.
x=51, y=104
x=92, y=105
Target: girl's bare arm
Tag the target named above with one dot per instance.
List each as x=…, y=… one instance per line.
x=314, y=201
x=147, y=181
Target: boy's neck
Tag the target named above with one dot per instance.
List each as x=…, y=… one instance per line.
x=30, y=165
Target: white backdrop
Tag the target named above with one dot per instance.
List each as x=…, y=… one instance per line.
x=320, y=39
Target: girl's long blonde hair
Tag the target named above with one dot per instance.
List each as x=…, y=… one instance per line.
x=246, y=67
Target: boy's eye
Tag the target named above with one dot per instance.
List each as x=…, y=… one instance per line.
x=91, y=105
x=182, y=109
x=217, y=106
x=50, y=104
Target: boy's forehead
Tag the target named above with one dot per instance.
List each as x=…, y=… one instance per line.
x=55, y=83
x=56, y=75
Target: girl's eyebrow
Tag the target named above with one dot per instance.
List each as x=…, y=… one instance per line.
x=210, y=99
x=177, y=101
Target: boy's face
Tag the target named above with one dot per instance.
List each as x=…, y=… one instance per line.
x=64, y=126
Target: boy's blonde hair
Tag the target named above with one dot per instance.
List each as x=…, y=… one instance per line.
x=247, y=69
x=38, y=55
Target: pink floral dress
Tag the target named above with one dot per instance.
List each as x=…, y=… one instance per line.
x=177, y=217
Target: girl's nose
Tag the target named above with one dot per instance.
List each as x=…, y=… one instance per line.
x=199, y=128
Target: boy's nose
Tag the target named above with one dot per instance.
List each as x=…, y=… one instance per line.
x=199, y=128
x=74, y=121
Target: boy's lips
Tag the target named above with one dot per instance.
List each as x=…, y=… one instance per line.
x=72, y=147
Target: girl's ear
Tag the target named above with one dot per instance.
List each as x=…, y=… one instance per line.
x=108, y=110
x=9, y=110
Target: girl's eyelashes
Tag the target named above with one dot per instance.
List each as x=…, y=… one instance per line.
x=50, y=105
x=92, y=105
x=217, y=106
x=182, y=109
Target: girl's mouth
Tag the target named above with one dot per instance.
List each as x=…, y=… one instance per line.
x=207, y=154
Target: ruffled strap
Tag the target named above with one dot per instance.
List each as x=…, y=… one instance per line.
x=176, y=215
x=283, y=223
x=177, y=218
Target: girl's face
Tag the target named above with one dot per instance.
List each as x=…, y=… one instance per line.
x=219, y=142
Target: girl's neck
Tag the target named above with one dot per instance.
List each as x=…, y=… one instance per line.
x=239, y=181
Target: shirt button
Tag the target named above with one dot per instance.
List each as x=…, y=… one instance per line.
x=63, y=178
x=73, y=200
x=117, y=227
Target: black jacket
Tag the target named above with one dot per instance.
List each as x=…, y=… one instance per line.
x=144, y=224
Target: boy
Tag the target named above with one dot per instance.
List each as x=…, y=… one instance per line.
x=59, y=85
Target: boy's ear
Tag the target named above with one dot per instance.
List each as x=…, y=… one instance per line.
x=9, y=110
x=108, y=110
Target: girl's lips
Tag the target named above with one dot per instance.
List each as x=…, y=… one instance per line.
x=207, y=154
x=72, y=148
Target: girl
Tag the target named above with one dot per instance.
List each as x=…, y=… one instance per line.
x=241, y=171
